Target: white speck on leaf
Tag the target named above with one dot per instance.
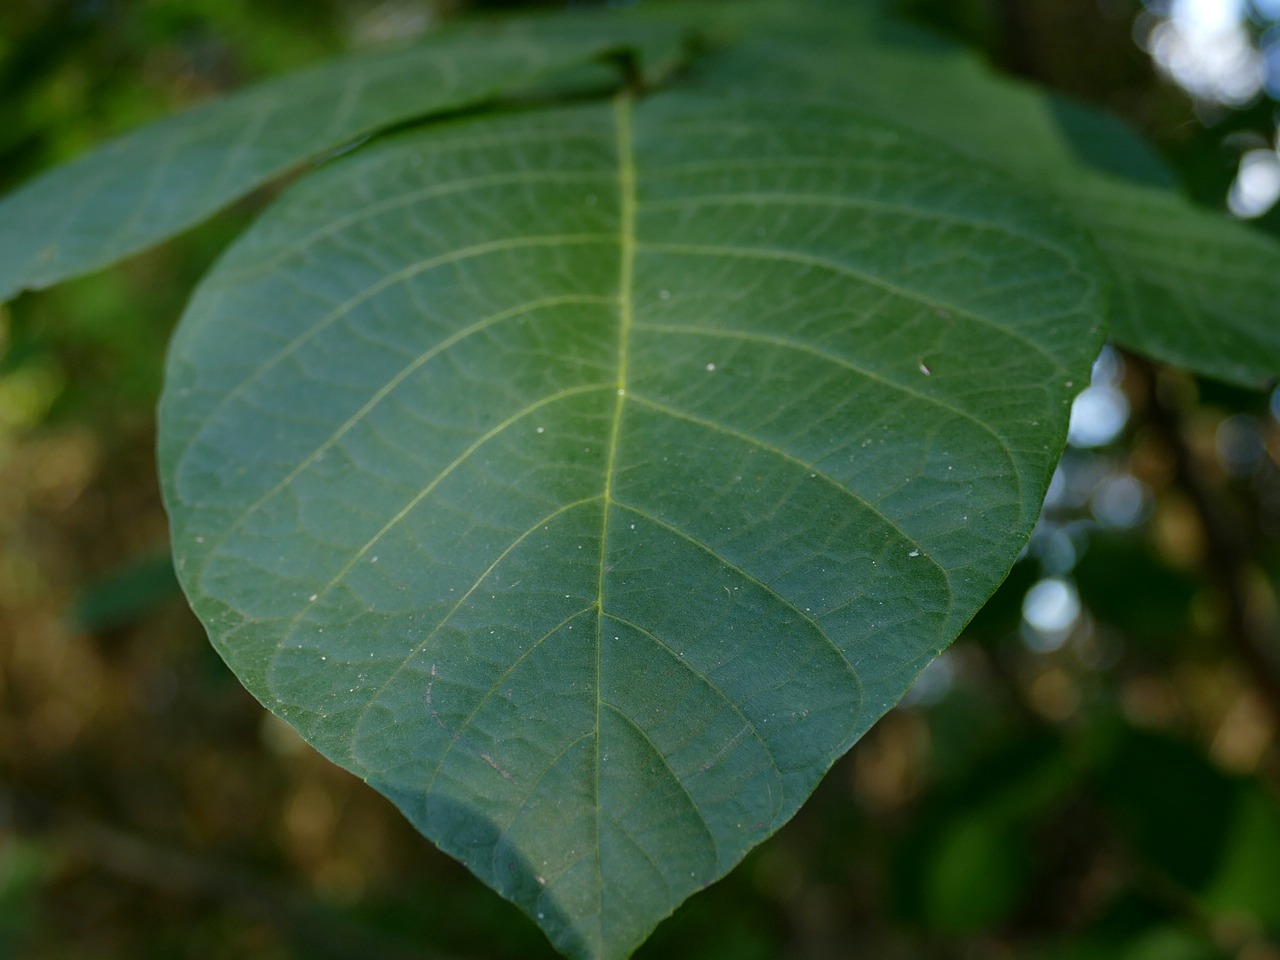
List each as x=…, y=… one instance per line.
x=914, y=553
x=711, y=368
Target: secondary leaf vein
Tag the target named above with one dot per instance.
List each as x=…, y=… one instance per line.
x=730, y=565
x=824, y=263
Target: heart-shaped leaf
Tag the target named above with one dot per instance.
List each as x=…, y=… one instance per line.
x=588, y=479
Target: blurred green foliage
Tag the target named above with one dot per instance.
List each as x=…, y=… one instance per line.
x=1113, y=798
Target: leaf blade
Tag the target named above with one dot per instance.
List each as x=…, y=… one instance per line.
x=591, y=517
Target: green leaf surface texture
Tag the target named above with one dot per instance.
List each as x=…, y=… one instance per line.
x=1191, y=287
x=589, y=478
x=161, y=179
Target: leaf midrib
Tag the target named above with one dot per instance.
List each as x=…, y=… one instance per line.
x=626, y=271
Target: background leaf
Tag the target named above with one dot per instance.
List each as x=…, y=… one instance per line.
x=150, y=184
x=588, y=479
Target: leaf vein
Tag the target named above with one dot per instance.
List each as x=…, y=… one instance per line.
x=666, y=765
x=390, y=280
x=626, y=264
x=533, y=788
x=800, y=462
x=729, y=564
x=715, y=688
x=1004, y=445
x=456, y=733
x=387, y=388
x=369, y=211
x=426, y=491
x=830, y=201
x=824, y=263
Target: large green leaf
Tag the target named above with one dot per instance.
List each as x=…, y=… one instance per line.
x=589, y=479
x=161, y=179
x=1193, y=288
